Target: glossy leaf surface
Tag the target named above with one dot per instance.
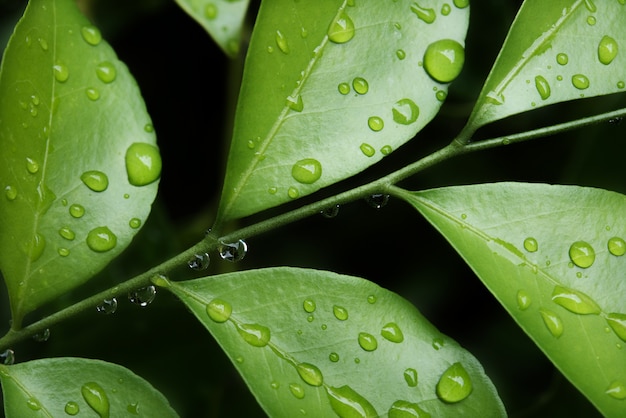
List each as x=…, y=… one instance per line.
x=554, y=257
x=60, y=387
x=556, y=51
x=222, y=19
x=310, y=342
x=79, y=165
x=330, y=88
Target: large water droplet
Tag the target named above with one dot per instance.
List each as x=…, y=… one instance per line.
x=607, y=50
x=454, y=385
x=392, y=332
x=543, y=87
x=61, y=73
x=347, y=403
x=101, y=239
x=424, y=13
x=199, y=261
x=405, y=409
x=96, y=398
x=617, y=246
x=307, y=171
x=37, y=245
x=342, y=29
x=617, y=322
x=410, y=377
x=580, y=81
x=143, y=164
x=107, y=306
x=91, y=35
x=106, y=72
x=523, y=300
x=367, y=150
x=281, y=42
x=552, y=322
x=310, y=373
x=582, y=254
x=360, y=85
x=616, y=390
x=219, y=310
x=309, y=305
x=375, y=123
x=143, y=296
x=444, y=59
x=95, y=180
x=367, y=341
x=296, y=390
x=234, y=251
x=575, y=301
x=254, y=334
x=340, y=313
x=77, y=211
x=72, y=408
x=405, y=111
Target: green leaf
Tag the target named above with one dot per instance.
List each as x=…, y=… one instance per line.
x=556, y=51
x=330, y=89
x=59, y=387
x=308, y=341
x=222, y=19
x=78, y=158
x=554, y=257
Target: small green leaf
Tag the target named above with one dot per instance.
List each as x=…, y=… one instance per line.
x=79, y=165
x=546, y=254
x=309, y=342
x=222, y=19
x=60, y=387
x=556, y=51
x=331, y=88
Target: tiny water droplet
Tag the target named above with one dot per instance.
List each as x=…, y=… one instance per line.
x=43, y=44
x=309, y=305
x=199, y=262
x=617, y=246
x=219, y=310
x=95, y=180
x=143, y=296
x=346, y=402
x=342, y=29
x=523, y=300
x=234, y=251
x=294, y=103
x=281, y=42
x=307, y=171
x=531, y=245
x=344, y=88
x=42, y=336
x=33, y=404
x=91, y=35
x=616, y=390
x=96, y=398
x=371, y=299
x=107, y=306
x=92, y=94
x=543, y=87
x=392, y=332
x=375, y=123
x=334, y=357
x=133, y=408
x=340, y=313
x=444, y=59
x=423, y=13
x=562, y=59
x=591, y=20
x=575, y=301
x=582, y=254
x=367, y=341
x=61, y=73
x=441, y=95
x=386, y=150
x=296, y=390
x=310, y=374
x=360, y=85
x=210, y=11
x=438, y=343
x=143, y=164
x=330, y=212
x=552, y=322
x=293, y=193
x=378, y=200
x=607, y=50
x=254, y=334
x=621, y=84
x=400, y=54
x=38, y=244
x=617, y=322
x=454, y=385
x=134, y=223
x=72, y=408
x=7, y=357
x=101, y=239
x=106, y=72
x=10, y=192
x=367, y=150
x=32, y=166
x=77, y=211
x=405, y=112
x=405, y=409
x=410, y=377
x=580, y=81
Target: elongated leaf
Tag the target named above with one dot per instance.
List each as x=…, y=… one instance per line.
x=556, y=51
x=310, y=342
x=329, y=89
x=78, y=161
x=222, y=19
x=59, y=387
x=554, y=257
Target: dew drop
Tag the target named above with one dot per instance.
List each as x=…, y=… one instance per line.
x=38, y=244
x=219, y=311
x=334, y=357
x=43, y=44
x=438, y=343
x=405, y=111
x=371, y=299
x=77, y=211
x=562, y=59
x=234, y=251
x=134, y=223
x=71, y=408
x=523, y=300
x=307, y=171
x=293, y=193
x=582, y=254
x=107, y=306
x=95, y=180
x=617, y=246
x=386, y=150
x=199, y=262
x=294, y=103
x=342, y=29
x=410, y=377
x=367, y=341
x=346, y=402
x=531, y=245
x=92, y=94
x=33, y=404
x=210, y=11
x=133, y=408
x=446, y=9
x=296, y=390
x=254, y=334
x=309, y=305
x=454, y=385
x=340, y=313
x=42, y=336
x=375, y=123
x=143, y=164
x=580, y=81
x=7, y=357
x=543, y=87
x=91, y=35
x=575, y=301
x=400, y=54
x=423, y=13
x=330, y=212
x=106, y=72
x=617, y=322
x=10, y=193
x=378, y=200
x=607, y=50
x=143, y=296
x=310, y=373
x=360, y=85
x=552, y=322
x=344, y=88
x=444, y=59
x=616, y=390
x=392, y=332
x=101, y=239
x=405, y=409
x=32, y=166
x=367, y=150
x=281, y=42
x=96, y=398
x=461, y=4
x=61, y=73
x=441, y=95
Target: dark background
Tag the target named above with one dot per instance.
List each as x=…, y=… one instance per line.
x=184, y=78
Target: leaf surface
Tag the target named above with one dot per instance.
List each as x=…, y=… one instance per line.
x=222, y=19
x=308, y=341
x=556, y=51
x=59, y=387
x=554, y=257
x=79, y=165
x=329, y=89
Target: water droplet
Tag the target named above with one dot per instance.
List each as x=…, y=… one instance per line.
x=61, y=73
x=410, y=376
x=32, y=166
x=148, y=127
x=92, y=94
x=392, y=332
x=340, y=313
x=575, y=301
x=234, y=251
x=296, y=390
x=96, y=398
x=553, y=322
x=346, y=402
x=344, y=88
x=310, y=373
x=617, y=246
x=543, y=87
x=309, y=305
x=375, y=123
x=294, y=103
x=134, y=223
x=310, y=318
x=107, y=306
x=454, y=385
x=38, y=244
x=91, y=35
x=42, y=336
x=367, y=150
x=281, y=42
x=330, y=212
x=616, y=390
x=10, y=192
x=95, y=180
x=367, y=341
x=143, y=164
x=342, y=29
x=43, y=44
x=33, y=404
x=254, y=334
x=293, y=193
x=441, y=95
x=423, y=13
x=523, y=300
x=210, y=11
x=378, y=200
x=617, y=322
x=461, y=4
x=360, y=85
x=307, y=171
x=438, y=343
x=106, y=72
x=133, y=408
x=371, y=299
x=444, y=59
x=405, y=409
x=582, y=254
x=7, y=357
x=219, y=310
x=334, y=357
x=199, y=261
x=531, y=245
x=607, y=50
x=405, y=111
x=621, y=84
x=143, y=296
x=580, y=81
x=591, y=20
x=72, y=408
x=400, y=54
x=77, y=211
x=562, y=59
x=101, y=239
